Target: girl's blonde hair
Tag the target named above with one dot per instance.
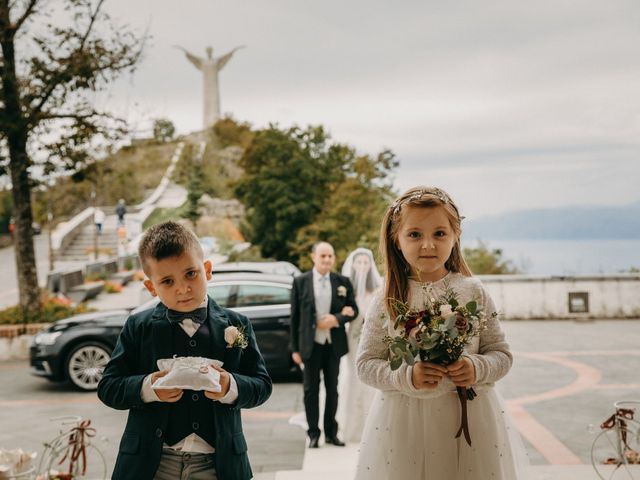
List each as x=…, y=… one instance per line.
x=396, y=286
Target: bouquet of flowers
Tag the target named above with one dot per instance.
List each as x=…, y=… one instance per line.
x=437, y=333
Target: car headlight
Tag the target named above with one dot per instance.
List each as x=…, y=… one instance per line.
x=46, y=338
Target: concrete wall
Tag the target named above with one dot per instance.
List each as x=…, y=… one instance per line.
x=15, y=348
x=540, y=297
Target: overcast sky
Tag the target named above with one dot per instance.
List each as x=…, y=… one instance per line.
x=506, y=105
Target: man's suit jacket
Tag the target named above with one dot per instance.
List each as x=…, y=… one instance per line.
x=303, y=313
x=145, y=338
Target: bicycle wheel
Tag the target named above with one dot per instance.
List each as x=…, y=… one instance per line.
x=612, y=459
x=92, y=465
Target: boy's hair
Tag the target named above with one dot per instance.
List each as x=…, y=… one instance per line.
x=165, y=240
x=396, y=285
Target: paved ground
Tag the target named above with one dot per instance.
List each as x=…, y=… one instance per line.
x=27, y=403
x=565, y=377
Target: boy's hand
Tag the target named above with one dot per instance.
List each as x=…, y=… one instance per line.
x=224, y=383
x=171, y=395
x=462, y=372
x=427, y=375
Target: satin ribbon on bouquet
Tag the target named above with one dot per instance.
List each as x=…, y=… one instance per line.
x=464, y=394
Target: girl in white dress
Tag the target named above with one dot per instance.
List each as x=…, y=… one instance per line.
x=361, y=269
x=411, y=426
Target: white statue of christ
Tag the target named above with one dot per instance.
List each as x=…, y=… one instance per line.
x=210, y=67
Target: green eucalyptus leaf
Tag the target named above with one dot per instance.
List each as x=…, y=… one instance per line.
x=395, y=363
x=409, y=358
x=472, y=306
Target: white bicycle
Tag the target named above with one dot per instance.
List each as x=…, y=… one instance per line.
x=72, y=455
x=615, y=452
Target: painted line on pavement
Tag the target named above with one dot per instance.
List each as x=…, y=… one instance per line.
x=587, y=378
x=545, y=442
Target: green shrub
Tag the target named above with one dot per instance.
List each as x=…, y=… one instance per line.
x=51, y=309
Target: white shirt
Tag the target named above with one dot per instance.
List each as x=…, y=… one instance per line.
x=322, y=296
x=192, y=443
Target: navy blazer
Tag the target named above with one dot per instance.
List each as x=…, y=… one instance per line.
x=146, y=338
x=303, y=313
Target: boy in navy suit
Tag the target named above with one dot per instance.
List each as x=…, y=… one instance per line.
x=182, y=434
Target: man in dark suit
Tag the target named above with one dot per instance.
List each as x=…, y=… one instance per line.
x=322, y=302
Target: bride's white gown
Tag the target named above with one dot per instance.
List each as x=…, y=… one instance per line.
x=357, y=395
x=409, y=433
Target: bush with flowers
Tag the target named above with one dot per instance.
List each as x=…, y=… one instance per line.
x=52, y=308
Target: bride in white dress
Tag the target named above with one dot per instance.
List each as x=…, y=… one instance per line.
x=361, y=269
x=411, y=426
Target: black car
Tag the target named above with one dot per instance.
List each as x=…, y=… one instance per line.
x=78, y=348
x=275, y=268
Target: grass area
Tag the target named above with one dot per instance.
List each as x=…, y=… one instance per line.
x=160, y=215
x=131, y=173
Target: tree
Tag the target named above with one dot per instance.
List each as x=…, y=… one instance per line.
x=46, y=118
x=194, y=193
x=229, y=132
x=483, y=261
x=299, y=188
x=352, y=214
x=288, y=174
x=163, y=130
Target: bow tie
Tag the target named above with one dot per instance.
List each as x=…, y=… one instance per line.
x=199, y=315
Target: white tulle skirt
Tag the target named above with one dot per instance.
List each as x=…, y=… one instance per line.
x=412, y=438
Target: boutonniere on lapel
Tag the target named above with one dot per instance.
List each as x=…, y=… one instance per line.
x=342, y=291
x=235, y=337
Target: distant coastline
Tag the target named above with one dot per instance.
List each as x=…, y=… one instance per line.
x=563, y=223
x=565, y=257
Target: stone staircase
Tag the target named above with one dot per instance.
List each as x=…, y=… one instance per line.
x=81, y=248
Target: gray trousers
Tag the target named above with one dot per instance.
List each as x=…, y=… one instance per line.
x=176, y=465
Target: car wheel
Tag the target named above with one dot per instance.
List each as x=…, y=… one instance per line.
x=85, y=364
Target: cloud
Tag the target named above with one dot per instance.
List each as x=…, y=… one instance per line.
x=519, y=104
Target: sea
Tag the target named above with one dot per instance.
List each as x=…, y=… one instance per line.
x=566, y=257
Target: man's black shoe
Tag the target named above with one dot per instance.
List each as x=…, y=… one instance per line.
x=313, y=441
x=334, y=441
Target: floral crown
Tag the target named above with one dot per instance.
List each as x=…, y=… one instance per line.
x=416, y=196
